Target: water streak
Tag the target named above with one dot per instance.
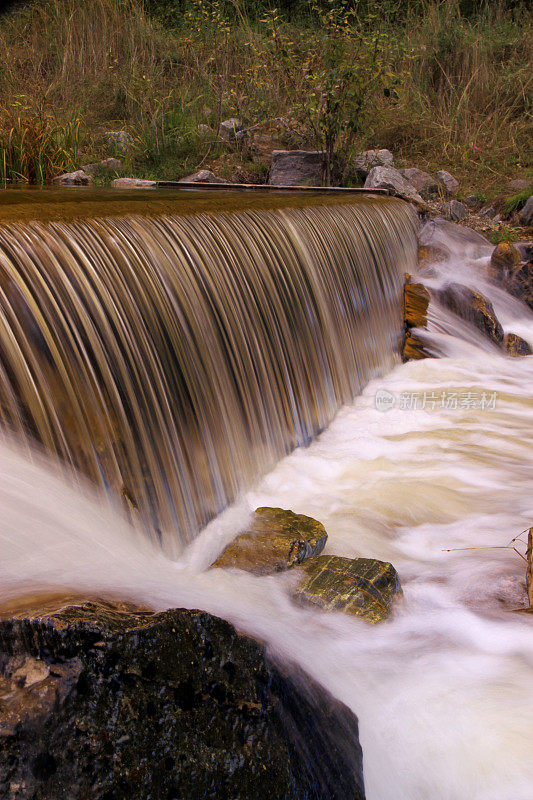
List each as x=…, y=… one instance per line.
x=175, y=359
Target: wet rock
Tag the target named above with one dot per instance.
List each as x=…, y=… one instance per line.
x=105, y=167
x=454, y=211
x=228, y=129
x=519, y=283
x=132, y=183
x=202, y=176
x=430, y=254
x=415, y=304
x=526, y=250
x=505, y=257
x=126, y=703
x=77, y=178
x=473, y=307
x=447, y=182
x=297, y=168
x=363, y=587
x=526, y=215
x=276, y=540
x=414, y=348
x=443, y=238
x=515, y=345
x=508, y=270
x=425, y=184
x=121, y=140
x=389, y=178
x=363, y=162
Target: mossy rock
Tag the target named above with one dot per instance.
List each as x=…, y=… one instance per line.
x=363, y=587
x=276, y=540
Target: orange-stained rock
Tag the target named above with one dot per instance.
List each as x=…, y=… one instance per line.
x=516, y=346
x=415, y=304
x=505, y=257
x=414, y=349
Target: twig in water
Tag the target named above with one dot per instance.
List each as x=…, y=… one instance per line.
x=528, y=558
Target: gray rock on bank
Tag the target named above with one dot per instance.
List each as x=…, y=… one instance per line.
x=105, y=167
x=202, y=176
x=229, y=128
x=121, y=140
x=447, y=182
x=423, y=182
x=389, y=178
x=297, y=168
x=363, y=162
x=454, y=211
x=105, y=701
x=77, y=178
x=526, y=215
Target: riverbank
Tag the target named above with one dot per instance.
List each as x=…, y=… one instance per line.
x=442, y=89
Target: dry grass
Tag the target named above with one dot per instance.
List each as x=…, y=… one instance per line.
x=464, y=88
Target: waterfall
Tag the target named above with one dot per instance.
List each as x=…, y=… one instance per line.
x=175, y=359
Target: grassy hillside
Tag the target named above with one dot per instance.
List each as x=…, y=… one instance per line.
x=440, y=87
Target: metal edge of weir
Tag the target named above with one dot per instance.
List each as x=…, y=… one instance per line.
x=254, y=187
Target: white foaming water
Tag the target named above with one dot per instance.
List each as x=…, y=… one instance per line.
x=444, y=692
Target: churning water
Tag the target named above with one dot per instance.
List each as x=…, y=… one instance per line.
x=444, y=692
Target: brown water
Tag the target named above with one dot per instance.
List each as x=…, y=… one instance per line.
x=174, y=358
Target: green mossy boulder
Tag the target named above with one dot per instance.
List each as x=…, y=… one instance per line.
x=363, y=587
x=276, y=540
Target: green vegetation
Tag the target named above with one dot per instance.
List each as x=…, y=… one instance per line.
x=442, y=83
x=517, y=201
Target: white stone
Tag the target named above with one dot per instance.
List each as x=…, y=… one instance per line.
x=132, y=183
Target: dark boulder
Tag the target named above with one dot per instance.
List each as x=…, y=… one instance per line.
x=104, y=701
x=473, y=307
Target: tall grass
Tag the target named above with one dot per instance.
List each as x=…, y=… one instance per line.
x=463, y=96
